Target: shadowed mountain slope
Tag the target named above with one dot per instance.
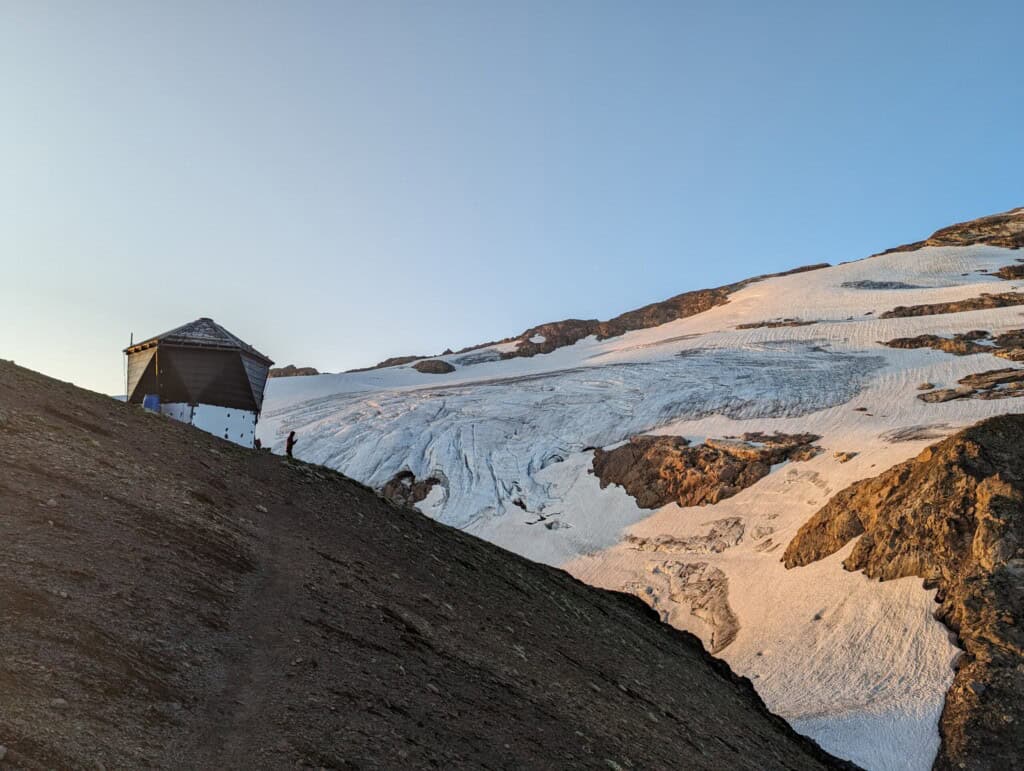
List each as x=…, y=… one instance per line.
x=171, y=600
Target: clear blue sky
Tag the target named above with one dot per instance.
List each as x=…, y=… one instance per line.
x=339, y=182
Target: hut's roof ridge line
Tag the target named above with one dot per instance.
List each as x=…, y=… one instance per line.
x=204, y=332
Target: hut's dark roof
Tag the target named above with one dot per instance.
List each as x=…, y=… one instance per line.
x=201, y=333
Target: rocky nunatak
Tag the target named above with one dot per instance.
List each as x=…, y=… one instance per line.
x=403, y=489
x=658, y=470
x=994, y=384
x=433, y=367
x=290, y=370
x=954, y=515
x=1009, y=345
x=983, y=302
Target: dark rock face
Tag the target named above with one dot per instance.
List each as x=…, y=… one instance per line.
x=433, y=367
x=954, y=516
x=403, y=489
x=983, y=302
x=1006, y=230
x=170, y=600
x=657, y=470
x=561, y=333
x=291, y=370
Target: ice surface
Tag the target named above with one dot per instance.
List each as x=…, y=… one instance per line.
x=489, y=440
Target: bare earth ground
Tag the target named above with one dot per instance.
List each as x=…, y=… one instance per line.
x=170, y=600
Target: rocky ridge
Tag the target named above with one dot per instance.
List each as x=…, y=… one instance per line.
x=1005, y=230
x=546, y=338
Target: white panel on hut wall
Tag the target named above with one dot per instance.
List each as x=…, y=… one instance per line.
x=238, y=426
x=180, y=411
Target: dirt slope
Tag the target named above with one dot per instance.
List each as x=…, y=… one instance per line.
x=172, y=600
x=954, y=515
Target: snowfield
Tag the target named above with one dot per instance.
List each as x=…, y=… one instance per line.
x=860, y=666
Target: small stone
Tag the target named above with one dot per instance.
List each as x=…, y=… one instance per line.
x=978, y=688
x=62, y=594
x=926, y=387
x=261, y=508
x=52, y=502
x=433, y=688
x=58, y=703
x=3, y=752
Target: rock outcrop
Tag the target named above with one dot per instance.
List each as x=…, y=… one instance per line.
x=394, y=361
x=878, y=285
x=403, y=489
x=775, y=324
x=290, y=370
x=171, y=600
x=994, y=384
x=983, y=302
x=959, y=345
x=954, y=516
x=1006, y=230
x=658, y=470
x=549, y=337
x=433, y=367
x=1011, y=272
x=1009, y=345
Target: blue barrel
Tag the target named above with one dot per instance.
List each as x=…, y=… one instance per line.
x=151, y=402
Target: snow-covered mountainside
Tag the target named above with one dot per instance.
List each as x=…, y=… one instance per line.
x=503, y=447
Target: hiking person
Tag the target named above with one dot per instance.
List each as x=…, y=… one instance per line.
x=290, y=444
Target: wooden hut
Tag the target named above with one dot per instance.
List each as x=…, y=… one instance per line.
x=201, y=374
